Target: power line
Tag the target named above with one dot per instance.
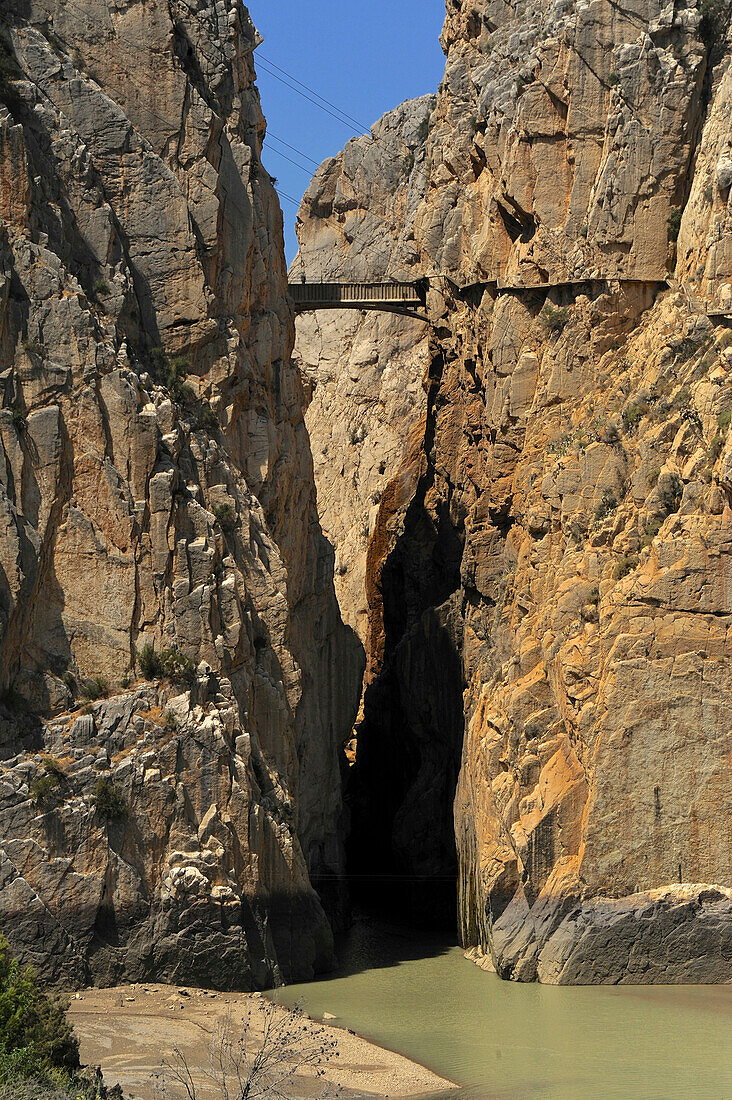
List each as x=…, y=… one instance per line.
x=168, y=123
x=284, y=156
x=310, y=99
x=289, y=198
x=293, y=148
x=307, y=88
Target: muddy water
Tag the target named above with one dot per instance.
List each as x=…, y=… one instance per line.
x=421, y=998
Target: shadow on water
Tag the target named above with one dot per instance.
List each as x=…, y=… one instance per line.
x=373, y=943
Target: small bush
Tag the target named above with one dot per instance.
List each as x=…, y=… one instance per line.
x=682, y=400
x=610, y=434
x=171, y=373
x=624, y=566
x=724, y=419
x=102, y=289
x=52, y=767
x=96, y=687
x=165, y=664
x=669, y=495
x=554, y=319
x=674, y=223
x=614, y=78
x=226, y=518
x=606, y=507
x=632, y=415
x=149, y=661
x=35, y=1034
x=44, y=790
x=9, y=71
x=713, y=27
x=207, y=418
x=714, y=450
x=19, y=420
x=11, y=700
x=716, y=447
x=108, y=800
x=651, y=529
x=170, y=721
x=653, y=476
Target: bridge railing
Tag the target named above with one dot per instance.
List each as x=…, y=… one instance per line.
x=319, y=293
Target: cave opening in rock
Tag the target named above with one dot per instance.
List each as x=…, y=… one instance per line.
x=401, y=850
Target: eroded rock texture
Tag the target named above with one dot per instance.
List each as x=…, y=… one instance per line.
x=548, y=577
x=141, y=244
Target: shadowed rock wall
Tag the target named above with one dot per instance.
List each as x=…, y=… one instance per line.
x=157, y=490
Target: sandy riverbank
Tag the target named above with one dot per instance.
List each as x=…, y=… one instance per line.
x=129, y=1030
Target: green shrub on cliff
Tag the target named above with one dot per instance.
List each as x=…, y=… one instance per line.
x=44, y=790
x=165, y=664
x=36, y=1038
x=39, y=1053
x=553, y=319
x=108, y=800
x=713, y=26
x=226, y=518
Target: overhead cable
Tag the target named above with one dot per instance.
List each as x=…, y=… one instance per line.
x=293, y=148
x=326, y=110
x=284, y=72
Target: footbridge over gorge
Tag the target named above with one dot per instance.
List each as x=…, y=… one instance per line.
x=410, y=299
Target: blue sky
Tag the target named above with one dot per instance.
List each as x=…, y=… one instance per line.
x=366, y=57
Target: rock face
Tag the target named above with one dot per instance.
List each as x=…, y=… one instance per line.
x=141, y=245
x=362, y=371
x=548, y=575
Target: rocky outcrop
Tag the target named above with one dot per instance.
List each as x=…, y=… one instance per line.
x=548, y=574
x=157, y=498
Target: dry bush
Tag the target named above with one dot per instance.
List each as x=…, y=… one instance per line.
x=257, y=1059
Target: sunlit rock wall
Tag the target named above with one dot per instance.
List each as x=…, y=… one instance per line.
x=552, y=559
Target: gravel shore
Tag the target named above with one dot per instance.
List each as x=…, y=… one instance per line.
x=129, y=1030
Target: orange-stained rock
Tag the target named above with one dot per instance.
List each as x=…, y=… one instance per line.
x=551, y=609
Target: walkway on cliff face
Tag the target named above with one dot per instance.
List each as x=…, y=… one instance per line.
x=410, y=299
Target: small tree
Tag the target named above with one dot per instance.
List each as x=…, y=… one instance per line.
x=261, y=1061
x=108, y=800
x=31, y=1022
x=167, y=663
x=226, y=518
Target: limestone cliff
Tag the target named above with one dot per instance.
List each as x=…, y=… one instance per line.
x=363, y=372
x=158, y=515
x=548, y=576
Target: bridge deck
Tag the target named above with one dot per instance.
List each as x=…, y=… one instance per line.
x=391, y=296
x=410, y=298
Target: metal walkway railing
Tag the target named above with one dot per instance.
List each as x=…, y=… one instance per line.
x=402, y=298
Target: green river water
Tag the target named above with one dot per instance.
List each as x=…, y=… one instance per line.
x=419, y=996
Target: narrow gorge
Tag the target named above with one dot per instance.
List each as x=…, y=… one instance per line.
x=541, y=574
x=435, y=616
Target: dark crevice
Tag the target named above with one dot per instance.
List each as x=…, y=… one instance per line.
x=401, y=851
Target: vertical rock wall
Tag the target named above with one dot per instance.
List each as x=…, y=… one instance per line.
x=553, y=552
x=157, y=491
